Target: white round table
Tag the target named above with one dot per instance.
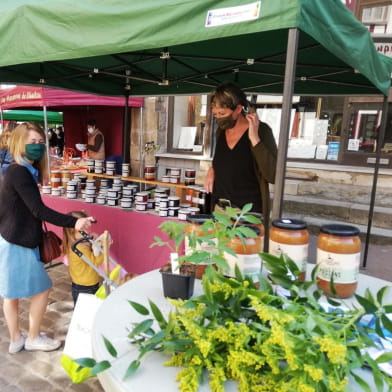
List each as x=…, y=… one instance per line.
x=115, y=316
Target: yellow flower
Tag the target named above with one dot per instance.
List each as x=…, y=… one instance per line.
x=315, y=373
x=188, y=379
x=269, y=313
x=176, y=360
x=337, y=385
x=304, y=388
x=335, y=351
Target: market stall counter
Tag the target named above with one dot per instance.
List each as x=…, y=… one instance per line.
x=132, y=232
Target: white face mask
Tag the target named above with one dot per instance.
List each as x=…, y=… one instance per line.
x=90, y=130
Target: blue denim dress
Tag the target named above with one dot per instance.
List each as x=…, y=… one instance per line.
x=22, y=274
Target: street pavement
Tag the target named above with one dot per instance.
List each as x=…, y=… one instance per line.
x=29, y=371
x=42, y=371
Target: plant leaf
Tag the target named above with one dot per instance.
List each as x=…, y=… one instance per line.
x=381, y=293
x=86, y=362
x=134, y=365
x=139, y=308
x=367, y=305
x=158, y=315
x=112, y=351
x=386, y=322
x=100, y=367
x=140, y=328
x=364, y=385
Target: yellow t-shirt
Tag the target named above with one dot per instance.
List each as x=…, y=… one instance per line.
x=80, y=272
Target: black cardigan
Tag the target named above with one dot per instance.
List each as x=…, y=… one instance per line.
x=22, y=210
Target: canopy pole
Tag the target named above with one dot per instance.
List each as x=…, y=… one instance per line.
x=46, y=139
x=126, y=142
x=288, y=87
x=380, y=141
x=2, y=119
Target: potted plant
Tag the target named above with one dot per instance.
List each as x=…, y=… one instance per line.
x=178, y=277
x=223, y=234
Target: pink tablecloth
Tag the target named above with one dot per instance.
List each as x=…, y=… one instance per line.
x=132, y=232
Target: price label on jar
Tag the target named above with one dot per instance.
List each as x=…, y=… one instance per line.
x=343, y=267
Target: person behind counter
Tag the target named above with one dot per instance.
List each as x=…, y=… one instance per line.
x=96, y=142
x=22, y=211
x=244, y=162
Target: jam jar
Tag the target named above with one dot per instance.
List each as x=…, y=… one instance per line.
x=290, y=236
x=338, y=259
x=247, y=256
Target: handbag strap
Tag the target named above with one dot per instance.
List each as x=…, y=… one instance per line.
x=44, y=226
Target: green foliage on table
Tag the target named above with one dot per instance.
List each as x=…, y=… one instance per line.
x=215, y=232
x=264, y=341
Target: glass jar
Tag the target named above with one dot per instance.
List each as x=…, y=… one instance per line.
x=338, y=258
x=290, y=236
x=247, y=256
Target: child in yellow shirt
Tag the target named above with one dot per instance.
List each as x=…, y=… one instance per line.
x=84, y=278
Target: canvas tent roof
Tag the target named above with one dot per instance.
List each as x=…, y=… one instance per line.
x=185, y=46
x=32, y=115
x=32, y=96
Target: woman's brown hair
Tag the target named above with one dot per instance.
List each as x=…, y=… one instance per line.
x=18, y=147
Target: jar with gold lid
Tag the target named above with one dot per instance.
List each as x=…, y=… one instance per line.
x=291, y=237
x=338, y=260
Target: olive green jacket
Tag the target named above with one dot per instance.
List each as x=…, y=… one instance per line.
x=264, y=155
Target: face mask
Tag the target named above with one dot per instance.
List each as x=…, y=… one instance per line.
x=34, y=152
x=90, y=130
x=226, y=122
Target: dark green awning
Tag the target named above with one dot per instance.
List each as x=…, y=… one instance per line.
x=32, y=115
x=167, y=47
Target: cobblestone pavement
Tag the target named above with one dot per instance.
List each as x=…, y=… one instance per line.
x=42, y=372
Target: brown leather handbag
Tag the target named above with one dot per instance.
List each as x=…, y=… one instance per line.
x=50, y=248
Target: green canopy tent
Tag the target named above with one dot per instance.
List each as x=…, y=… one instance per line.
x=188, y=47
x=32, y=115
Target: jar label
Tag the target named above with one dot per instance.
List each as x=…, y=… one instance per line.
x=343, y=267
x=249, y=265
x=298, y=253
x=203, y=246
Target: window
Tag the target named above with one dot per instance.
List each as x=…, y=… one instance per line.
x=187, y=124
x=375, y=15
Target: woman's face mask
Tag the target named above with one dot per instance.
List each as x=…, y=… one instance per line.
x=226, y=122
x=34, y=151
x=90, y=130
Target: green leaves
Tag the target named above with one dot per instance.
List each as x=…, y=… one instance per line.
x=139, y=308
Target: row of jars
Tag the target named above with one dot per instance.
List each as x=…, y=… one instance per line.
x=173, y=175
x=337, y=259
x=99, y=166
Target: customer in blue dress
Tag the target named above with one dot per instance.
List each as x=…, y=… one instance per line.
x=22, y=211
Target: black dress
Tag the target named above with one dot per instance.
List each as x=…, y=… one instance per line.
x=235, y=177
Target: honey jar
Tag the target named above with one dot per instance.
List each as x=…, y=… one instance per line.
x=290, y=236
x=66, y=176
x=247, y=256
x=338, y=259
x=55, y=178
